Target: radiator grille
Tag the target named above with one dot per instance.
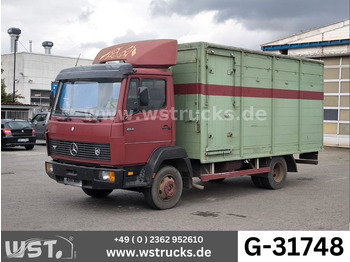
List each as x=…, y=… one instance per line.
x=78, y=150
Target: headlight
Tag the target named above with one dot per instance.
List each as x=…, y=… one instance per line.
x=107, y=176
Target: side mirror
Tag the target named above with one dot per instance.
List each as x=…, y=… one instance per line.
x=143, y=96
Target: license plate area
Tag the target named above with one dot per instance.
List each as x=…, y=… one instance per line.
x=72, y=182
x=23, y=140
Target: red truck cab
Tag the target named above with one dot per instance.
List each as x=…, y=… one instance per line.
x=112, y=125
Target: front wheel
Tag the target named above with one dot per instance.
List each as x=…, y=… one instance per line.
x=166, y=189
x=97, y=193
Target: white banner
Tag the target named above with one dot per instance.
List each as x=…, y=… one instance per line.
x=291, y=246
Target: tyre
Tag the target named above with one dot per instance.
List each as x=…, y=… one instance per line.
x=166, y=189
x=97, y=193
x=276, y=178
x=257, y=181
x=29, y=147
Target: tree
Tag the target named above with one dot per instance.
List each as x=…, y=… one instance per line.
x=8, y=97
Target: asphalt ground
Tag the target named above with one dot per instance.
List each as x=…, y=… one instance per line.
x=315, y=198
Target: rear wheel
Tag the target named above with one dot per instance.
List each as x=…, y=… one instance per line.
x=97, y=193
x=276, y=178
x=166, y=189
x=257, y=181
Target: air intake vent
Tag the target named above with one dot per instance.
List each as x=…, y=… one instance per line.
x=78, y=150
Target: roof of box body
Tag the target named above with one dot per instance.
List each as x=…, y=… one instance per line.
x=331, y=35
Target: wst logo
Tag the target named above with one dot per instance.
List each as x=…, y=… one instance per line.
x=58, y=247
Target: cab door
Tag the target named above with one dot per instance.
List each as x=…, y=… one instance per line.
x=147, y=127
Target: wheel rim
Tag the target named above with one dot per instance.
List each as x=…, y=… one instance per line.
x=167, y=188
x=277, y=173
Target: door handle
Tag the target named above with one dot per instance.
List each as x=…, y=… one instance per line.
x=166, y=127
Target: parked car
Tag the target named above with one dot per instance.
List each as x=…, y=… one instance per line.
x=17, y=133
x=40, y=124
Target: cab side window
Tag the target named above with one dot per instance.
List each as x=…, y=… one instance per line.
x=156, y=92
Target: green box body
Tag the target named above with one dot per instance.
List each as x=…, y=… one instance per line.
x=236, y=104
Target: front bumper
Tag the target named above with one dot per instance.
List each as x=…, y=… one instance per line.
x=87, y=177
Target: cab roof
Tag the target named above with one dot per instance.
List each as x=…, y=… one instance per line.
x=96, y=72
x=149, y=54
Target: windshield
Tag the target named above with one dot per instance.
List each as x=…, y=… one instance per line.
x=88, y=99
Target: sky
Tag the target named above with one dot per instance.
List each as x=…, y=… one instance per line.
x=83, y=27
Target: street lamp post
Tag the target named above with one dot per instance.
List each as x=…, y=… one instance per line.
x=14, y=34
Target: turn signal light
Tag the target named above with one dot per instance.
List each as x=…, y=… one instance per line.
x=111, y=177
x=49, y=168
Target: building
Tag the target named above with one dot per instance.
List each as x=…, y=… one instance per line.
x=17, y=111
x=35, y=73
x=332, y=45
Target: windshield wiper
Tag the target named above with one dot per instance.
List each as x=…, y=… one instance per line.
x=88, y=113
x=66, y=114
x=65, y=118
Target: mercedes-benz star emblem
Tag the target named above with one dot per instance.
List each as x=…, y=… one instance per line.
x=97, y=151
x=73, y=149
